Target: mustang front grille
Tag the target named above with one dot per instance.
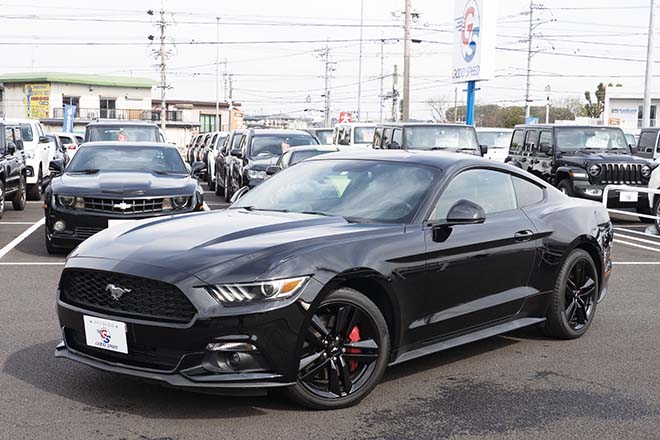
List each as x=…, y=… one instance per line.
x=125, y=295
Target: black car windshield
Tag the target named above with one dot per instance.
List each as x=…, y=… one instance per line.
x=324, y=136
x=122, y=134
x=276, y=144
x=495, y=139
x=440, y=138
x=359, y=190
x=128, y=158
x=574, y=139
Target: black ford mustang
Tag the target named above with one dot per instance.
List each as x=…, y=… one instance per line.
x=110, y=182
x=331, y=270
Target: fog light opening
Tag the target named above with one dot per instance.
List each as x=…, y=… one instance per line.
x=59, y=226
x=231, y=346
x=593, y=192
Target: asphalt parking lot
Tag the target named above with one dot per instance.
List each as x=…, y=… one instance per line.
x=520, y=385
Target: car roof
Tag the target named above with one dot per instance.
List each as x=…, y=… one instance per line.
x=123, y=124
x=550, y=126
x=259, y=131
x=420, y=124
x=436, y=159
x=127, y=144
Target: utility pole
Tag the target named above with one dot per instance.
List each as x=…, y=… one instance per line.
x=547, y=104
x=395, y=94
x=231, y=100
x=646, y=117
x=406, y=63
x=359, y=97
x=455, y=105
x=324, y=54
x=382, y=77
x=217, y=73
x=163, y=79
x=529, y=58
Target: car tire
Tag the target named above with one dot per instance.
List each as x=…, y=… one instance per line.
x=578, y=283
x=219, y=189
x=566, y=187
x=2, y=198
x=211, y=181
x=228, y=192
x=34, y=192
x=19, y=200
x=348, y=358
x=644, y=208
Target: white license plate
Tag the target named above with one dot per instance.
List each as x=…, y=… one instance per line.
x=112, y=223
x=628, y=196
x=105, y=334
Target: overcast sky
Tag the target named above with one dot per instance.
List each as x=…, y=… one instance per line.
x=272, y=78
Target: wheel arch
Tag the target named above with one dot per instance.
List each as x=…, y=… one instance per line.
x=590, y=246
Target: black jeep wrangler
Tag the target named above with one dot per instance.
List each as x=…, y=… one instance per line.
x=12, y=167
x=581, y=160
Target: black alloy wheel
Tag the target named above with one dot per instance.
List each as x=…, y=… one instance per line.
x=344, y=352
x=575, y=297
x=19, y=200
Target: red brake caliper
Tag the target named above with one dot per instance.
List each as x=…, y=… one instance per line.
x=354, y=336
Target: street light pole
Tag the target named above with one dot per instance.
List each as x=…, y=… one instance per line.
x=406, y=63
x=529, y=58
x=646, y=121
x=359, y=97
x=382, y=76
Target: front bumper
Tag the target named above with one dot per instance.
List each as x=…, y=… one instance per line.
x=80, y=225
x=175, y=353
x=586, y=190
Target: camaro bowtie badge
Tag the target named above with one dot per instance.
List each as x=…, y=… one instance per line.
x=116, y=292
x=123, y=206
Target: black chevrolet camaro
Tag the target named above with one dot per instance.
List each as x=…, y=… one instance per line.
x=331, y=270
x=112, y=182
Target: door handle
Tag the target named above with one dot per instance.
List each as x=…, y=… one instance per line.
x=522, y=236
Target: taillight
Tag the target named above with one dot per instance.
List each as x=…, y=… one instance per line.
x=71, y=146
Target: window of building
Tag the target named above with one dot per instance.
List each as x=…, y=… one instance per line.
x=107, y=107
x=207, y=123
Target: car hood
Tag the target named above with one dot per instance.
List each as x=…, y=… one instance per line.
x=234, y=245
x=580, y=159
x=126, y=184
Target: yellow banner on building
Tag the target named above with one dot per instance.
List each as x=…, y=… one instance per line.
x=37, y=100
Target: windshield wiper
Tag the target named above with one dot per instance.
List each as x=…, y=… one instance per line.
x=439, y=148
x=87, y=171
x=167, y=173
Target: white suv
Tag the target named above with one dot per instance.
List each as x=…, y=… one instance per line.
x=39, y=151
x=654, y=199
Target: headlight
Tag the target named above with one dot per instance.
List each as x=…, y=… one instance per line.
x=241, y=293
x=594, y=170
x=71, y=202
x=646, y=171
x=254, y=174
x=179, y=202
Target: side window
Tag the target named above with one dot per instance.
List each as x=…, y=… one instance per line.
x=243, y=145
x=378, y=134
x=397, y=137
x=647, y=142
x=387, y=137
x=517, y=141
x=237, y=142
x=530, y=140
x=527, y=193
x=545, y=138
x=26, y=132
x=492, y=190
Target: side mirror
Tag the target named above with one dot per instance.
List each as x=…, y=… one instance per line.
x=240, y=193
x=56, y=167
x=44, y=139
x=545, y=148
x=196, y=167
x=484, y=149
x=465, y=212
x=236, y=153
x=273, y=170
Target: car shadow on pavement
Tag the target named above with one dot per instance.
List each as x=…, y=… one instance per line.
x=114, y=394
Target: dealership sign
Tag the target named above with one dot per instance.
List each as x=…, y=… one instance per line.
x=474, y=40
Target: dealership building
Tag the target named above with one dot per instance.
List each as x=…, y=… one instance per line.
x=106, y=98
x=623, y=107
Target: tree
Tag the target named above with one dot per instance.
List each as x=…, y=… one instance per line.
x=438, y=107
x=595, y=109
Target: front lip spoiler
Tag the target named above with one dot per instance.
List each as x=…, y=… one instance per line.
x=229, y=384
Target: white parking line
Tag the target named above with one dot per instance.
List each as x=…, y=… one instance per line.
x=16, y=223
x=634, y=231
x=205, y=207
x=636, y=263
x=35, y=201
x=35, y=263
x=627, y=243
x=16, y=241
x=641, y=240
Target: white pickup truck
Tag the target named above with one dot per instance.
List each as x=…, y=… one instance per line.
x=39, y=151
